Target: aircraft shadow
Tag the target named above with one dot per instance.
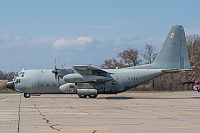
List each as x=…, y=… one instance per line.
x=116, y=98
x=128, y=98
x=195, y=97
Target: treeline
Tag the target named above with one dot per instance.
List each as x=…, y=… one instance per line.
x=194, y=55
x=4, y=78
x=6, y=75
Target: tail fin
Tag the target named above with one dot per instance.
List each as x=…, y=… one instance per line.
x=174, y=53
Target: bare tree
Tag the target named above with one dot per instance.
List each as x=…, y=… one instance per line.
x=130, y=57
x=193, y=51
x=112, y=63
x=127, y=58
x=148, y=53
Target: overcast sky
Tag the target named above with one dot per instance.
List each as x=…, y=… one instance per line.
x=33, y=33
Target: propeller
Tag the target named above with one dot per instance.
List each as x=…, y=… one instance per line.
x=58, y=81
x=57, y=77
x=56, y=72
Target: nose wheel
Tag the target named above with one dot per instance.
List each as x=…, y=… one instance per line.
x=27, y=95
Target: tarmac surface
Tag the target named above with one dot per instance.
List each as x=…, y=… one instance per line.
x=173, y=112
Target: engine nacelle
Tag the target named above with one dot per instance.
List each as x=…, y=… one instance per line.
x=87, y=92
x=72, y=78
x=68, y=88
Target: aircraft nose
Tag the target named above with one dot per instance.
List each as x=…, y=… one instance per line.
x=10, y=85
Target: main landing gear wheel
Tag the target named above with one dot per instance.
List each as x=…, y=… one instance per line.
x=27, y=95
x=82, y=96
x=92, y=96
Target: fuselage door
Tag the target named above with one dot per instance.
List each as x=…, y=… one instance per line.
x=113, y=87
x=33, y=84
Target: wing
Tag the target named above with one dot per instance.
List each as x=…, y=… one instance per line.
x=84, y=68
x=87, y=74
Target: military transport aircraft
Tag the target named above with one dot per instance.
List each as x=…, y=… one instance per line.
x=89, y=81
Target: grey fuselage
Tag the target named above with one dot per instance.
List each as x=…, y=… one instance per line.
x=44, y=82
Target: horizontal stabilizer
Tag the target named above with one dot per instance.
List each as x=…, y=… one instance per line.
x=175, y=70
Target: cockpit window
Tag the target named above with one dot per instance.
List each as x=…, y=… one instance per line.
x=20, y=74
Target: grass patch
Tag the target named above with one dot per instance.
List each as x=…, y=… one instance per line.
x=6, y=91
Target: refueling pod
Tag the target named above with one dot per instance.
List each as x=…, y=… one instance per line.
x=68, y=88
x=83, y=93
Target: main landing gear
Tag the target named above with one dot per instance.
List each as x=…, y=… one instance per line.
x=90, y=96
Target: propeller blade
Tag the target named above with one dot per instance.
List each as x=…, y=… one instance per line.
x=57, y=78
x=58, y=81
x=55, y=71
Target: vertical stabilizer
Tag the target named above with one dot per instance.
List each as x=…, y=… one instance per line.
x=174, y=53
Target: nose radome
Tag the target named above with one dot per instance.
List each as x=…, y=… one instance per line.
x=10, y=85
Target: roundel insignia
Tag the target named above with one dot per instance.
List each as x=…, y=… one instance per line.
x=172, y=35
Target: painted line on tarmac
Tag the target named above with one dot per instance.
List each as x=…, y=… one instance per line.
x=75, y=130
x=183, y=127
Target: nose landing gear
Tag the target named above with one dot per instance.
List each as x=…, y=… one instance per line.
x=27, y=95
